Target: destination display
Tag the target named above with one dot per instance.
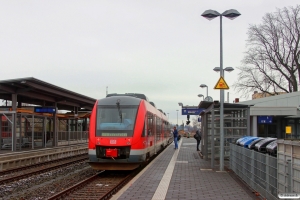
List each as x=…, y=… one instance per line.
x=115, y=134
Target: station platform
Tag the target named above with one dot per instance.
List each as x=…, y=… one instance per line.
x=10, y=160
x=183, y=174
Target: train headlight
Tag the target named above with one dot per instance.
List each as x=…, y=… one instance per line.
x=98, y=142
x=128, y=143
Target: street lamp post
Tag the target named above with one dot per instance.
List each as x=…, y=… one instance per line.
x=231, y=14
x=177, y=118
x=180, y=104
x=203, y=86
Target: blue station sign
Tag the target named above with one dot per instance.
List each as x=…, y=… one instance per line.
x=191, y=111
x=44, y=109
x=264, y=119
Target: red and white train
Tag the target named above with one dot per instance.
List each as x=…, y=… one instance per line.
x=125, y=131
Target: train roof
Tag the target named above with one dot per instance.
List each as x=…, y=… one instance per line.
x=136, y=95
x=124, y=100
x=162, y=111
x=127, y=100
x=152, y=104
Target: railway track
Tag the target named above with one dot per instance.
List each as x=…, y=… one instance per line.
x=65, y=182
x=24, y=172
x=99, y=186
x=47, y=184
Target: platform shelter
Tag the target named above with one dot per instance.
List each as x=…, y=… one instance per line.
x=34, y=114
x=236, y=124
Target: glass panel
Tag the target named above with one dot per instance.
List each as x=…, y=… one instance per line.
x=272, y=130
x=150, y=124
x=291, y=123
x=235, y=126
x=112, y=121
x=261, y=130
x=297, y=135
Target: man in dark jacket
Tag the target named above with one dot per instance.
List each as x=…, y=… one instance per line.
x=175, y=134
x=197, y=136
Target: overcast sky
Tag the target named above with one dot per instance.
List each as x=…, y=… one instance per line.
x=162, y=48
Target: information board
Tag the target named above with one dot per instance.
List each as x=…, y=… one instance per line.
x=264, y=119
x=191, y=111
x=44, y=110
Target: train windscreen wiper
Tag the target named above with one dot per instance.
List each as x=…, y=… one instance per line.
x=119, y=109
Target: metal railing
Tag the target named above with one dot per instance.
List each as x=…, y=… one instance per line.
x=258, y=170
x=66, y=137
x=288, y=154
x=38, y=141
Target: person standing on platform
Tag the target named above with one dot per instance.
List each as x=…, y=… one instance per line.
x=175, y=134
x=197, y=136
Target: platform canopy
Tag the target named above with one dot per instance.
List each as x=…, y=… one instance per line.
x=36, y=92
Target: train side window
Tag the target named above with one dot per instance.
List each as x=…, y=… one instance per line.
x=144, y=132
x=150, y=123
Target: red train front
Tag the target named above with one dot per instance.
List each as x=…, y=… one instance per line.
x=125, y=130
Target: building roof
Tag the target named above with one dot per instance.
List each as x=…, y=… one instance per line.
x=34, y=91
x=207, y=104
x=279, y=105
x=287, y=99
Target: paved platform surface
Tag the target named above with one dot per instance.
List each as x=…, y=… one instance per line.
x=182, y=174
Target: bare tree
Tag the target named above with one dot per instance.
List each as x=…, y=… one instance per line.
x=271, y=63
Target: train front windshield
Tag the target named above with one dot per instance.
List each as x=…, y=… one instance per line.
x=116, y=122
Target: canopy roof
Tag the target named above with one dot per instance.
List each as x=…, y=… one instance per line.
x=36, y=92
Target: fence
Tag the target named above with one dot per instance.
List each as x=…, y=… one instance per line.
x=66, y=137
x=288, y=154
x=258, y=170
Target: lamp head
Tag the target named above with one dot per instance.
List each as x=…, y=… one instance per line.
x=229, y=69
x=217, y=69
x=210, y=14
x=203, y=85
x=180, y=104
x=231, y=14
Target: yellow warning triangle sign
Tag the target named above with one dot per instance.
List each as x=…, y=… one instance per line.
x=221, y=84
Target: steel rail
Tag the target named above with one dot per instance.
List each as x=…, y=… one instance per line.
x=39, y=171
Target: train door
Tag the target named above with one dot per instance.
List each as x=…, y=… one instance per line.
x=165, y=134
x=150, y=129
x=145, y=134
x=155, y=133
x=158, y=129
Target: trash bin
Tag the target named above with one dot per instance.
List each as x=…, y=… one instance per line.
x=261, y=145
